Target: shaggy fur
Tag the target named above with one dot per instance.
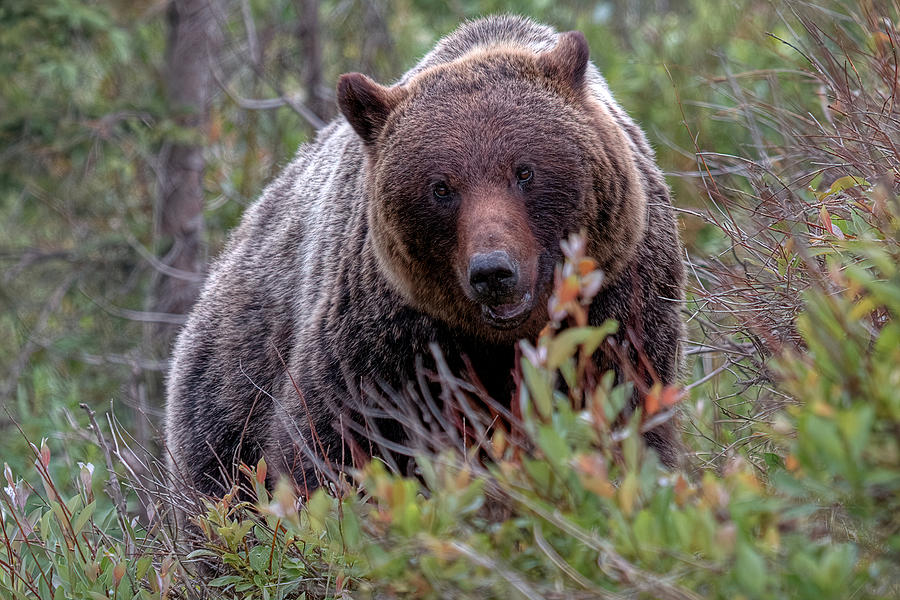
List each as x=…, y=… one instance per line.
x=353, y=261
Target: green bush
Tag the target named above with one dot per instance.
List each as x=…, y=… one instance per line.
x=586, y=511
x=792, y=489
x=73, y=547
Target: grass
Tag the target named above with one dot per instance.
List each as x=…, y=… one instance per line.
x=791, y=411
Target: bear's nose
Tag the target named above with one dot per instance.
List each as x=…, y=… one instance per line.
x=493, y=276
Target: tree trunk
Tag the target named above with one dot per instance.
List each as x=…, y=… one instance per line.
x=308, y=34
x=377, y=57
x=192, y=46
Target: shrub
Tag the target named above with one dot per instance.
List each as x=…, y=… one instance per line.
x=585, y=511
x=794, y=411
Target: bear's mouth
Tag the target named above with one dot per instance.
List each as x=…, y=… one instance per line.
x=507, y=316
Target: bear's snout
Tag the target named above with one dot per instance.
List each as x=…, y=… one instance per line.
x=497, y=256
x=493, y=277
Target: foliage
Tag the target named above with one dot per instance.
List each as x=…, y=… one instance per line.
x=588, y=512
x=795, y=205
x=72, y=547
x=84, y=127
x=792, y=410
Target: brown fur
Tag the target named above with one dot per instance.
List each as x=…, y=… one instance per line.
x=351, y=265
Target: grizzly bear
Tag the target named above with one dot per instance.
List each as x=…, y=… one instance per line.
x=430, y=212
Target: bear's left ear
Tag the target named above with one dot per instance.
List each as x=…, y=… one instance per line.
x=567, y=62
x=366, y=104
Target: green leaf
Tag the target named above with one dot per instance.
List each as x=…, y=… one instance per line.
x=259, y=558
x=83, y=517
x=317, y=508
x=841, y=184
x=750, y=570
x=773, y=461
x=552, y=444
x=426, y=468
x=564, y=345
x=539, y=471
x=821, y=440
x=889, y=339
x=856, y=425
x=539, y=385
x=472, y=497
x=225, y=580
x=144, y=562
x=628, y=493
x=350, y=526
x=411, y=518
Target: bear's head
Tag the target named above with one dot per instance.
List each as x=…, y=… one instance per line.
x=477, y=168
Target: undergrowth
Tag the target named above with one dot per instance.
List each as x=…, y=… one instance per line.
x=791, y=413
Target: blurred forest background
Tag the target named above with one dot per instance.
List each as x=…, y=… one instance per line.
x=134, y=134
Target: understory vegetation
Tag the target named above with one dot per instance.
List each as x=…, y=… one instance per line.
x=783, y=153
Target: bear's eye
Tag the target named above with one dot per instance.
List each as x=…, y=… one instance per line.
x=524, y=174
x=441, y=190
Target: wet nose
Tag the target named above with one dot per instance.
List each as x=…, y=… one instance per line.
x=493, y=276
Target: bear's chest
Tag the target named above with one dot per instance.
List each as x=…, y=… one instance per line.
x=389, y=346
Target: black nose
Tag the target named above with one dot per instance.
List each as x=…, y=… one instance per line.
x=493, y=276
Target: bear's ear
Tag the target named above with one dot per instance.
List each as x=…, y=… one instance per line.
x=366, y=104
x=567, y=62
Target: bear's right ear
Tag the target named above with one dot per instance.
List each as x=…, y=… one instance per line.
x=366, y=104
